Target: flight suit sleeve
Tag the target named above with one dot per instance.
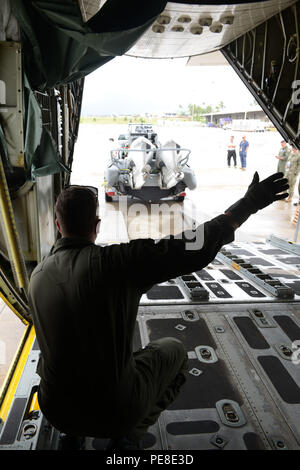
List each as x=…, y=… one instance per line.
x=151, y=262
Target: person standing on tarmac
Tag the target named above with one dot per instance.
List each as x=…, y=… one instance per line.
x=283, y=156
x=244, y=145
x=84, y=302
x=292, y=171
x=231, y=153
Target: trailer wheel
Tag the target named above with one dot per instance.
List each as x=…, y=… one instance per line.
x=108, y=198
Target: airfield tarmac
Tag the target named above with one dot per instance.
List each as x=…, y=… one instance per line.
x=217, y=188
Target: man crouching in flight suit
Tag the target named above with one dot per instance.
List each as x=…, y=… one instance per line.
x=84, y=301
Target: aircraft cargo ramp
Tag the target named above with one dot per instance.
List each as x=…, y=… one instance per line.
x=239, y=319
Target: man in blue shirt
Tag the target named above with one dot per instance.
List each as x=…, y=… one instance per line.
x=243, y=152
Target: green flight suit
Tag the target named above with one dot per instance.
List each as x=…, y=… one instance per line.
x=284, y=154
x=84, y=301
x=293, y=171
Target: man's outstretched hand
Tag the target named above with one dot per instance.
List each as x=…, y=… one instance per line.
x=260, y=194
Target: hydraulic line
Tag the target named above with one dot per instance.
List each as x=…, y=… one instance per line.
x=11, y=235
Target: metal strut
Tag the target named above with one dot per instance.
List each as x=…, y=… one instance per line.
x=11, y=235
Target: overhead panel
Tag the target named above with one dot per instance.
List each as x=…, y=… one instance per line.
x=186, y=30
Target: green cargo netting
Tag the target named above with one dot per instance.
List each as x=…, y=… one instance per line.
x=41, y=153
x=58, y=48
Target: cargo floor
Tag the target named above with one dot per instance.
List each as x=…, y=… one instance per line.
x=242, y=390
x=239, y=320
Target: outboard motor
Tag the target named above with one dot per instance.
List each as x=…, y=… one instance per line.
x=170, y=161
x=139, y=161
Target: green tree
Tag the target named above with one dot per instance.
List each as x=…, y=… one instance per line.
x=196, y=111
x=220, y=106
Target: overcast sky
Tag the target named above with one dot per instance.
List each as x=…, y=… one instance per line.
x=128, y=85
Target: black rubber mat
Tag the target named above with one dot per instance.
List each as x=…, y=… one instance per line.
x=272, y=251
x=294, y=285
x=259, y=261
x=191, y=333
x=288, y=326
x=192, y=427
x=291, y=260
x=204, y=275
x=251, y=333
x=13, y=421
x=192, y=285
x=279, y=273
x=205, y=389
x=281, y=379
x=240, y=251
x=253, y=441
x=231, y=274
x=164, y=293
x=189, y=277
x=249, y=289
x=211, y=383
x=218, y=290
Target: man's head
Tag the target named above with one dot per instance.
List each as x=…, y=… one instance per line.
x=283, y=143
x=244, y=138
x=77, y=213
x=231, y=138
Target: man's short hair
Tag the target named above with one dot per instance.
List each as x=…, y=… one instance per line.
x=76, y=211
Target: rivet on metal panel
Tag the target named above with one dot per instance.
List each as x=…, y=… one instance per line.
x=29, y=430
x=284, y=351
x=257, y=313
x=279, y=443
x=230, y=413
x=206, y=354
x=195, y=371
x=219, y=329
x=190, y=315
x=218, y=441
x=261, y=318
